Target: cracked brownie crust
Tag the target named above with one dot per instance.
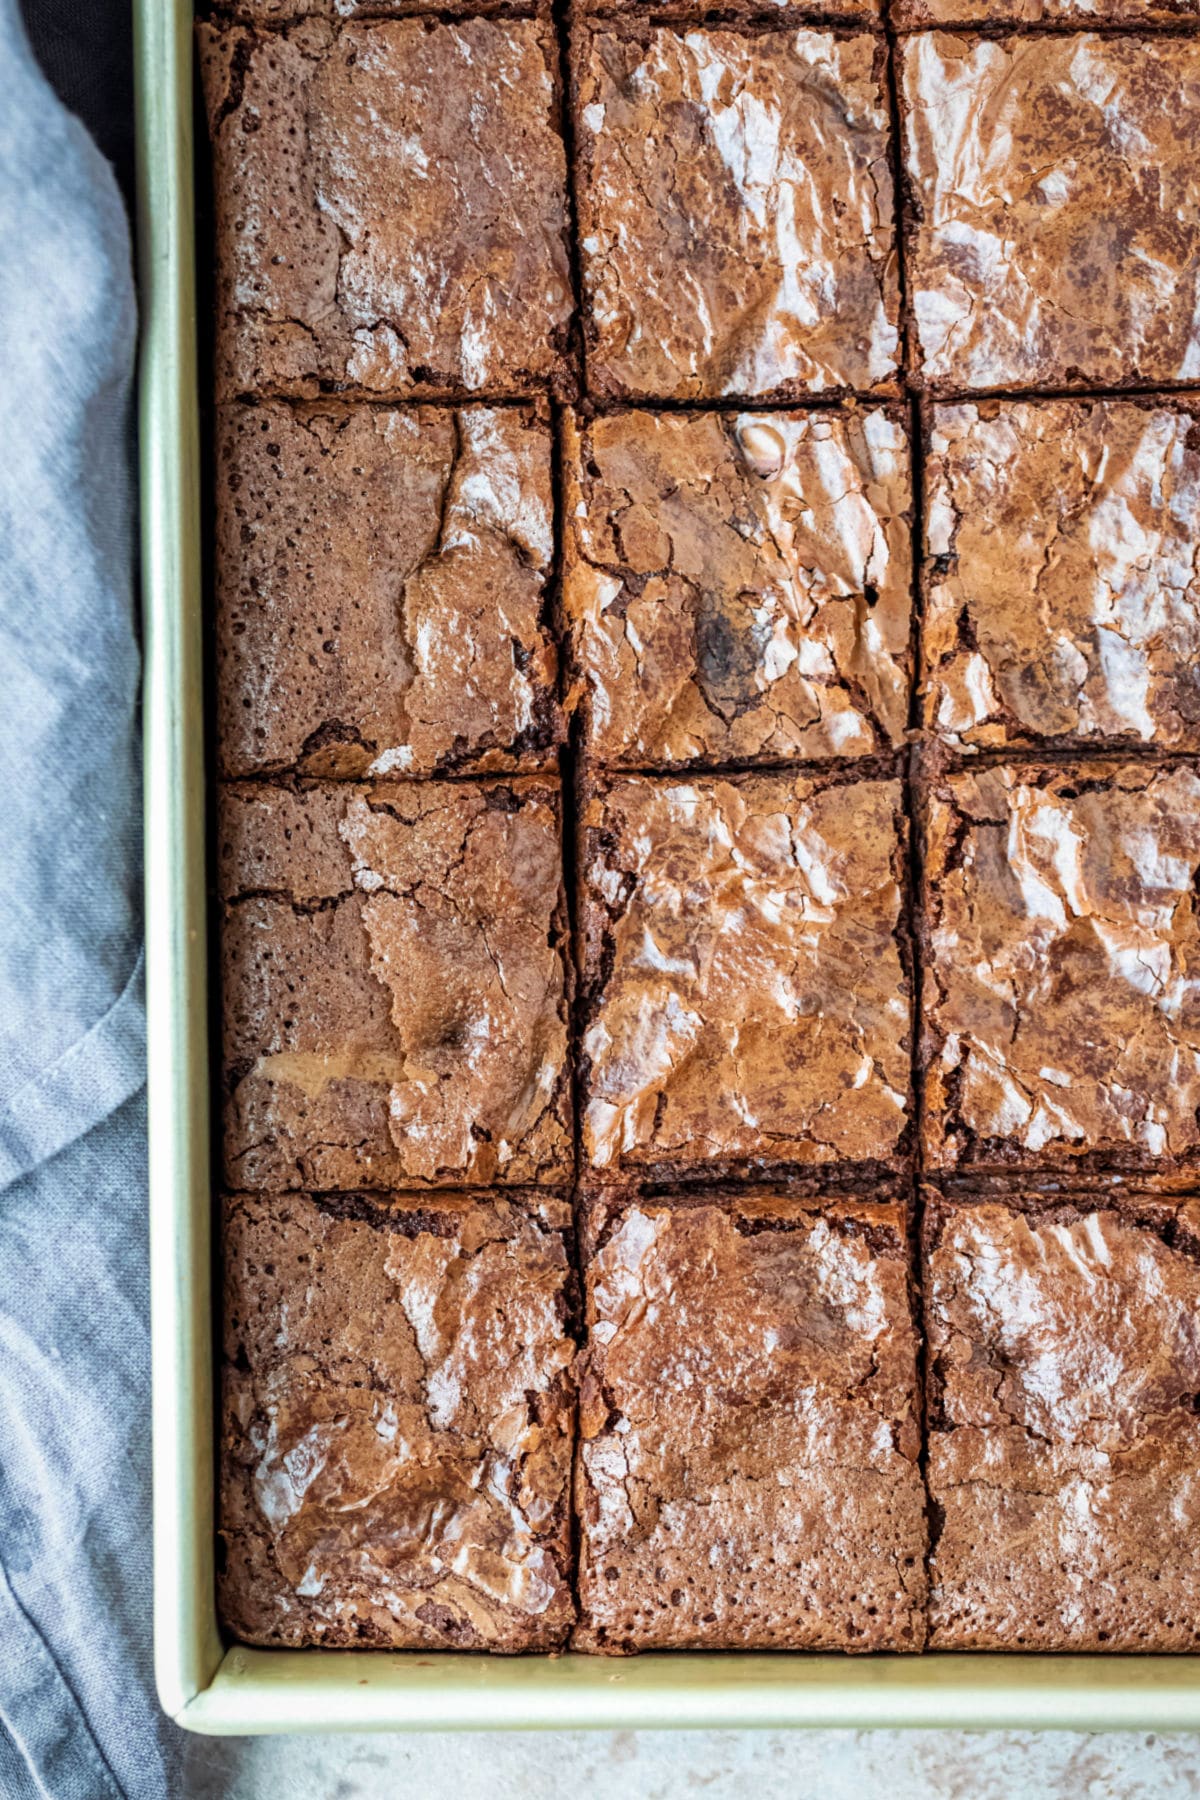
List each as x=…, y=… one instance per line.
x=746, y=995
x=738, y=585
x=1055, y=196
x=747, y=1474
x=381, y=590
x=1064, y=1446
x=735, y=213
x=390, y=208
x=395, y=988
x=1061, y=1017
x=1062, y=591
x=397, y=1422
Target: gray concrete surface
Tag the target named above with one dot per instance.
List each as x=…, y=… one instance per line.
x=710, y=1765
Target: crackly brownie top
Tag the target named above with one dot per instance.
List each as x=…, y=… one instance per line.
x=394, y=984
x=912, y=13
x=1064, y=1360
x=738, y=586
x=1057, y=208
x=735, y=212
x=747, y=1000
x=390, y=206
x=396, y=1421
x=1063, y=587
x=1060, y=996
x=381, y=584
x=749, y=1429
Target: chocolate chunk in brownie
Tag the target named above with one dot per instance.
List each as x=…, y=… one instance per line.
x=738, y=586
x=1062, y=1020
x=390, y=207
x=1064, y=1447
x=747, y=998
x=396, y=1422
x=735, y=212
x=381, y=590
x=1062, y=588
x=395, y=984
x=749, y=1430
x=1056, y=208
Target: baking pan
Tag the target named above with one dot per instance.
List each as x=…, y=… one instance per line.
x=203, y=1683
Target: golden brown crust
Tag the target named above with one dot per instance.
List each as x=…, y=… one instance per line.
x=1056, y=206
x=1064, y=1445
x=390, y=208
x=381, y=590
x=747, y=1474
x=738, y=586
x=735, y=213
x=1062, y=591
x=397, y=1421
x=747, y=997
x=395, y=985
x=1060, y=1021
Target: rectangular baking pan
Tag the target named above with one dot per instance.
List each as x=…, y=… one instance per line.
x=204, y=1684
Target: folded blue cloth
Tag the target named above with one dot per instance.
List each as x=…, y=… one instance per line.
x=78, y=1716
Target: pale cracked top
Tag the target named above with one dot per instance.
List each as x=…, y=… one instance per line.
x=747, y=999
x=1062, y=1005
x=394, y=985
x=390, y=208
x=749, y=1429
x=396, y=1422
x=735, y=213
x=1063, y=582
x=738, y=586
x=1056, y=197
x=380, y=581
x=1064, y=1447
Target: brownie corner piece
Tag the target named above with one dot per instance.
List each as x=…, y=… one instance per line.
x=382, y=578
x=767, y=271
x=397, y=1422
x=1061, y=922
x=390, y=207
x=745, y=975
x=1013, y=281
x=1061, y=585
x=395, y=985
x=1063, y=1437
x=737, y=587
x=716, y=1510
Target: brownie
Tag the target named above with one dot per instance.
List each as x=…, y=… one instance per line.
x=1056, y=208
x=735, y=212
x=395, y=985
x=1064, y=1446
x=909, y=14
x=381, y=590
x=695, y=12
x=1061, y=1009
x=745, y=982
x=396, y=1422
x=390, y=207
x=1062, y=591
x=747, y=1474
x=738, y=586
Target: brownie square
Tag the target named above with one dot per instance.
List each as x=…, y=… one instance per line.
x=746, y=990
x=396, y=1422
x=395, y=985
x=735, y=212
x=909, y=14
x=1062, y=1015
x=1062, y=590
x=747, y=1476
x=1064, y=1361
x=381, y=590
x=738, y=586
x=390, y=207
x=1056, y=208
